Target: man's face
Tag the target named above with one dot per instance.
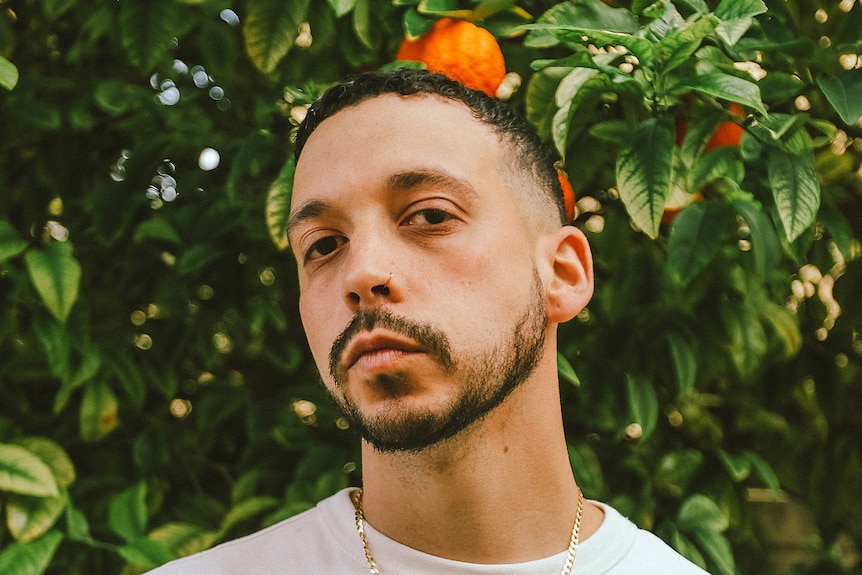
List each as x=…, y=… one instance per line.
x=420, y=294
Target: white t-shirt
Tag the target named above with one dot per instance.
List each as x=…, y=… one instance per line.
x=324, y=541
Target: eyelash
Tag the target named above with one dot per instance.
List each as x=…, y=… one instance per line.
x=428, y=214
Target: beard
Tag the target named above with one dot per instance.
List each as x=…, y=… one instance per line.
x=484, y=379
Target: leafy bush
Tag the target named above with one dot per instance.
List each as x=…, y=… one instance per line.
x=156, y=392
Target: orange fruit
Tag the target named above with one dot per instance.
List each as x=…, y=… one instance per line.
x=676, y=201
x=461, y=50
x=727, y=133
x=568, y=195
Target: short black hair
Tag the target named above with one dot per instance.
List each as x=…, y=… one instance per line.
x=532, y=154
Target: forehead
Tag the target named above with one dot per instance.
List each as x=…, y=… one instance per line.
x=391, y=133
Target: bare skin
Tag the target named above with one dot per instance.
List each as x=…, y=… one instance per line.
x=460, y=250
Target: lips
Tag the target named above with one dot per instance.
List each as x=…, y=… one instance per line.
x=372, y=343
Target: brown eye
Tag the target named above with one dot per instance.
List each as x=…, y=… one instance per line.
x=323, y=247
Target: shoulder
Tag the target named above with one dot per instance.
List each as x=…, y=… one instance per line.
x=305, y=542
x=619, y=547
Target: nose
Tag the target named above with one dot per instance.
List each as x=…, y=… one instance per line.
x=370, y=276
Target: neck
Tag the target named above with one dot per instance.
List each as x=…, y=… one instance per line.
x=502, y=491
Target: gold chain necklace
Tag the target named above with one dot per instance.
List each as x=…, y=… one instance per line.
x=356, y=497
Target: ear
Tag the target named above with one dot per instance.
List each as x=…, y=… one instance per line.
x=571, y=285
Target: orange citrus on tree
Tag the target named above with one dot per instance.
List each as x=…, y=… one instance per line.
x=461, y=50
x=568, y=195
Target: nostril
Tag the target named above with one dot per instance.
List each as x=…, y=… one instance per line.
x=354, y=297
x=380, y=290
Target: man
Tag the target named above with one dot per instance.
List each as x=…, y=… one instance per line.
x=434, y=266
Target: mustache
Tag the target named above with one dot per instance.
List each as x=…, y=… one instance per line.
x=432, y=339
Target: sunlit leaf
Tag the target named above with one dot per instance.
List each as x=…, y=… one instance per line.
x=271, y=28
x=644, y=167
x=415, y=24
x=183, y=538
x=363, y=24
x=8, y=74
x=247, y=509
x=54, y=456
x=793, y=179
x=700, y=513
x=22, y=471
x=278, y=199
x=127, y=514
x=29, y=518
x=56, y=275
x=566, y=371
x=591, y=14
x=98, y=415
x=147, y=30
x=11, y=243
x=733, y=9
x=30, y=558
x=341, y=7
x=843, y=92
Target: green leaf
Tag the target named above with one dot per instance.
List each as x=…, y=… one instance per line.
x=716, y=548
x=576, y=36
x=29, y=518
x=56, y=275
x=566, y=371
x=116, y=97
x=77, y=527
x=793, y=179
x=246, y=510
x=55, y=8
x=676, y=48
x=127, y=513
x=271, y=28
x=643, y=170
x=591, y=14
x=145, y=553
x=764, y=471
x=699, y=513
x=587, y=469
x=676, y=470
x=727, y=87
x=278, y=199
x=147, y=30
x=364, y=25
x=695, y=238
x=735, y=9
x=183, y=538
x=737, y=466
x=747, y=342
x=11, y=244
x=8, y=74
x=764, y=243
x=415, y=24
x=54, y=456
x=30, y=558
x=56, y=343
x=98, y=413
x=156, y=229
x=341, y=7
x=23, y=472
x=684, y=363
x=642, y=402
x=843, y=92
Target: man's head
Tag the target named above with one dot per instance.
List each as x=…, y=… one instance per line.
x=433, y=267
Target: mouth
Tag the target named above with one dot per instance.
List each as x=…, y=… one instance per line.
x=370, y=346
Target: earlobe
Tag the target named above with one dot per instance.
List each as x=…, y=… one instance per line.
x=571, y=286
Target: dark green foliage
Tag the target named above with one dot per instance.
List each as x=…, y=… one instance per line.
x=156, y=392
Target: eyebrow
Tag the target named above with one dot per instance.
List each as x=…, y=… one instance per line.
x=396, y=182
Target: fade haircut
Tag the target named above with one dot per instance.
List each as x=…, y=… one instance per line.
x=527, y=149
